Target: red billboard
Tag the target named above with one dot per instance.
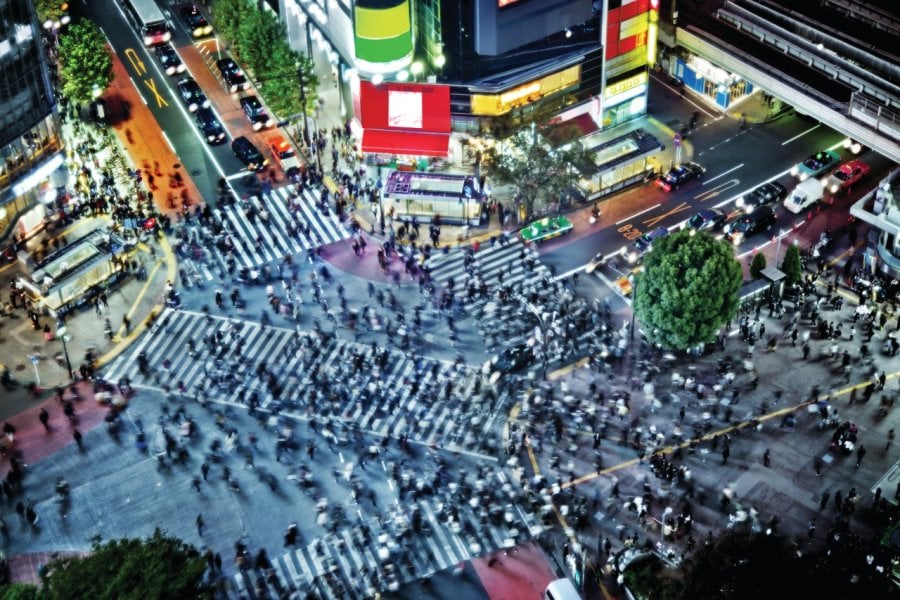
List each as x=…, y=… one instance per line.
x=404, y=118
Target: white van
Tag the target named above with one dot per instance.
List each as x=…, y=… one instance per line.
x=804, y=195
x=561, y=589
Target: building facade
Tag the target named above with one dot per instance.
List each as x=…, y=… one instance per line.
x=498, y=59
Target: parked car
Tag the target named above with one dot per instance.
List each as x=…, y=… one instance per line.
x=232, y=77
x=845, y=176
x=195, y=21
x=283, y=153
x=644, y=244
x=680, y=175
x=761, y=219
x=248, y=154
x=169, y=59
x=210, y=126
x=191, y=94
x=767, y=193
x=804, y=195
x=707, y=219
x=816, y=164
x=256, y=113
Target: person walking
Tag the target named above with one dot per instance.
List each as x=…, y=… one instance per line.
x=200, y=525
x=823, y=502
x=767, y=457
x=860, y=454
x=204, y=470
x=78, y=439
x=195, y=483
x=890, y=440
x=44, y=417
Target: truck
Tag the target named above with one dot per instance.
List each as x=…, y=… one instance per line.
x=806, y=194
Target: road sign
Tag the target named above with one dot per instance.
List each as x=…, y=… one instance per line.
x=34, y=359
x=61, y=331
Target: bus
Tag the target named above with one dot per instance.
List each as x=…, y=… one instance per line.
x=148, y=20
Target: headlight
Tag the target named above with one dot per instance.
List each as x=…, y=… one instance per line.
x=804, y=176
x=739, y=202
x=257, y=125
x=736, y=237
x=180, y=68
x=207, y=30
x=170, y=70
x=210, y=138
x=270, y=123
x=834, y=188
x=148, y=40
x=795, y=170
x=167, y=36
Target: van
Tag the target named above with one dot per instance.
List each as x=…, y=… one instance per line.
x=804, y=195
x=561, y=589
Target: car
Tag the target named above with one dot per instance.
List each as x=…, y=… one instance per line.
x=513, y=358
x=644, y=244
x=195, y=22
x=768, y=193
x=846, y=175
x=191, y=94
x=232, y=77
x=283, y=153
x=816, y=164
x=248, y=154
x=679, y=175
x=256, y=113
x=707, y=219
x=210, y=126
x=761, y=219
x=169, y=59
x=595, y=263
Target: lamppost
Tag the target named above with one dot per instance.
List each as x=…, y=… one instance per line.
x=61, y=331
x=303, y=81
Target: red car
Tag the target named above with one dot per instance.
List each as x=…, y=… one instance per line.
x=846, y=175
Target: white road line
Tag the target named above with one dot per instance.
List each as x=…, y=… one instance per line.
x=636, y=215
x=711, y=179
x=801, y=134
x=168, y=141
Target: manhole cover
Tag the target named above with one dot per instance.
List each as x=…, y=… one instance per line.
x=20, y=367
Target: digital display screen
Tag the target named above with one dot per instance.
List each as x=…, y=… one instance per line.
x=405, y=109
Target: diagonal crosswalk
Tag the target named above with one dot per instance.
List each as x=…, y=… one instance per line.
x=380, y=391
x=382, y=554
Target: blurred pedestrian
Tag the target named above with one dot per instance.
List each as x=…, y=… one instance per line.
x=860, y=454
x=200, y=525
x=44, y=417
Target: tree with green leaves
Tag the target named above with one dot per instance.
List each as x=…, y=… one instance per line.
x=85, y=62
x=258, y=34
x=159, y=567
x=687, y=290
x=540, y=173
x=757, y=265
x=281, y=88
x=792, y=266
x=50, y=10
x=227, y=17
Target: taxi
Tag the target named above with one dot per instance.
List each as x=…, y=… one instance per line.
x=845, y=176
x=546, y=228
x=283, y=153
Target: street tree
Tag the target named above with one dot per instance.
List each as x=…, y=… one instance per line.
x=792, y=266
x=258, y=35
x=757, y=265
x=85, y=62
x=50, y=10
x=228, y=16
x=281, y=87
x=157, y=567
x=540, y=174
x=687, y=290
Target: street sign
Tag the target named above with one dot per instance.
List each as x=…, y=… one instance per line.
x=34, y=359
x=61, y=331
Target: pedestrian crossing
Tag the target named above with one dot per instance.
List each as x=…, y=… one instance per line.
x=512, y=263
x=381, y=554
x=283, y=221
x=380, y=391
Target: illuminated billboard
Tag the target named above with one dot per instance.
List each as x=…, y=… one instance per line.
x=403, y=118
x=382, y=31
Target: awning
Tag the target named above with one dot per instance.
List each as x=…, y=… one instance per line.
x=406, y=143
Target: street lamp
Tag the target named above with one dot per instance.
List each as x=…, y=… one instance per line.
x=301, y=78
x=61, y=331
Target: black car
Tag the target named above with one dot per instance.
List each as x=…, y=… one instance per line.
x=513, y=358
x=707, y=219
x=195, y=22
x=191, y=94
x=210, y=126
x=232, y=76
x=679, y=175
x=761, y=219
x=169, y=59
x=767, y=193
x=256, y=113
x=248, y=154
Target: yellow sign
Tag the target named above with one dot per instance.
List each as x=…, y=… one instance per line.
x=498, y=104
x=626, y=84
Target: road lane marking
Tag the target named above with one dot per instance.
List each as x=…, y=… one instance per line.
x=135, y=60
x=651, y=222
x=800, y=135
x=636, y=215
x=715, y=191
x=711, y=179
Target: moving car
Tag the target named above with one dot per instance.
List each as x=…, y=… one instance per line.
x=232, y=77
x=679, y=175
x=283, y=153
x=806, y=194
x=707, y=219
x=546, y=228
x=767, y=193
x=210, y=126
x=761, y=219
x=191, y=94
x=595, y=263
x=256, y=113
x=513, y=358
x=846, y=175
x=195, y=21
x=248, y=154
x=816, y=164
x=644, y=244
x=169, y=59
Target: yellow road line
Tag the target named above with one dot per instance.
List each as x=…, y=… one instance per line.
x=554, y=375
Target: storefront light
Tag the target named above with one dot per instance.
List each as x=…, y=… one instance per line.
x=402, y=75
x=377, y=79
x=416, y=68
x=439, y=61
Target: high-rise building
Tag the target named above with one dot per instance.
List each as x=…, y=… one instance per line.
x=531, y=59
x=30, y=144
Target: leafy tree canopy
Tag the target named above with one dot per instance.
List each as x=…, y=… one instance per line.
x=227, y=17
x=756, y=267
x=791, y=266
x=688, y=289
x=50, y=10
x=159, y=567
x=85, y=61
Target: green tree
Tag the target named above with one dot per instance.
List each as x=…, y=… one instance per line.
x=757, y=266
x=540, y=173
x=19, y=591
x=281, y=86
x=258, y=34
x=227, y=17
x=50, y=10
x=159, y=567
x=85, y=62
x=791, y=266
x=687, y=290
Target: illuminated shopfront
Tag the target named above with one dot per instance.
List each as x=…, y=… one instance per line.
x=625, y=99
x=715, y=83
x=498, y=104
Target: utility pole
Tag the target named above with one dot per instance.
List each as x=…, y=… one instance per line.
x=301, y=78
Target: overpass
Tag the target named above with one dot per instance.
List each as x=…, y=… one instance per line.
x=834, y=59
